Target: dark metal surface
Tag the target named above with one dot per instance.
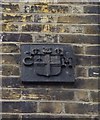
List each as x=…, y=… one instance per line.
x=94, y=72
x=47, y=63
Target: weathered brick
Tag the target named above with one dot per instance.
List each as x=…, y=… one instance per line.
x=8, y=94
x=10, y=48
x=92, y=50
x=78, y=49
x=81, y=72
x=94, y=72
x=92, y=29
x=38, y=18
x=87, y=60
x=10, y=7
x=86, y=19
x=48, y=107
x=81, y=96
x=53, y=28
x=58, y=9
x=8, y=70
x=79, y=39
x=19, y=107
x=11, y=37
x=91, y=84
x=81, y=108
x=9, y=17
x=10, y=59
x=86, y=84
x=43, y=38
x=11, y=82
x=10, y=27
x=29, y=27
x=76, y=9
x=76, y=29
x=92, y=9
x=95, y=96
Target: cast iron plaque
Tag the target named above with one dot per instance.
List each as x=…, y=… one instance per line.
x=47, y=63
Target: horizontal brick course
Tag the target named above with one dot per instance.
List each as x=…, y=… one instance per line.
x=53, y=28
x=50, y=28
x=11, y=37
x=42, y=94
x=45, y=8
x=39, y=18
x=47, y=117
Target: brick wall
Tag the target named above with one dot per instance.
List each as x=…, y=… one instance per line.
x=77, y=24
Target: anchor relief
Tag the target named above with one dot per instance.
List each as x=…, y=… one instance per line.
x=47, y=63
